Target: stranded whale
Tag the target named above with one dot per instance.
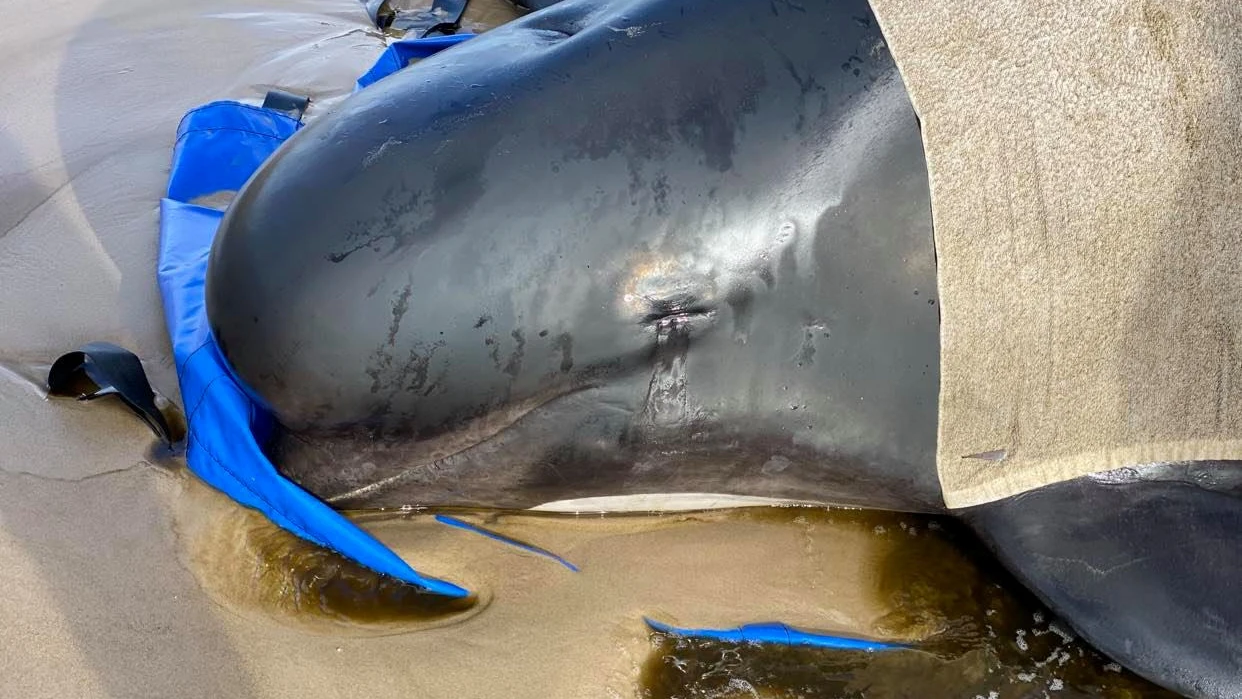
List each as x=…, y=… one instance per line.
x=643, y=246
x=457, y=290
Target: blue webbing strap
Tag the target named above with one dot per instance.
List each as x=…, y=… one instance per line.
x=775, y=633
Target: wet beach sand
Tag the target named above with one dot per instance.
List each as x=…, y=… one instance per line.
x=123, y=576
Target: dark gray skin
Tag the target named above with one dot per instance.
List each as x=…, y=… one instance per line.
x=1144, y=562
x=452, y=292
x=650, y=246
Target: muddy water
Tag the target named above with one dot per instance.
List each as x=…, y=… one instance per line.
x=981, y=636
x=913, y=579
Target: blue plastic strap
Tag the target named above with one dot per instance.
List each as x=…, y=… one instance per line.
x=496, y=536
x=775, y=633
x=219, y=146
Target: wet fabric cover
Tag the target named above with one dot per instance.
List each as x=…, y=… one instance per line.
x=217, y=149
x=1087, y=201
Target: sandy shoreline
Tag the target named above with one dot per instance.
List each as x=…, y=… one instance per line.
x=95, y=599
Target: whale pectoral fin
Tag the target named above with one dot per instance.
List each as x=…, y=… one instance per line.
x=1144, y=563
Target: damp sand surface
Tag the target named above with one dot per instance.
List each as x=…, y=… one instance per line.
x=122, y=576
x=910, y=579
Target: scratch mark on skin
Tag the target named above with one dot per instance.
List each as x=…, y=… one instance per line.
x=445, y=450
x=376, y=154
x=394, y=209
x=399, y=308
x=514, y=365
x=565, y=343
x=382, y=367
x=636, y=31
x=667, y=398
x=1101, y=572
x=493, y=350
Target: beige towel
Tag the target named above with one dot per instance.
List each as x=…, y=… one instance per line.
x=1085, y=170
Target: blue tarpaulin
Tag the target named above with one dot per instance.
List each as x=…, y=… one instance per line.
x=218, y=147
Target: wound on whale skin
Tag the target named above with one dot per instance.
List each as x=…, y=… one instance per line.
x=489, y=281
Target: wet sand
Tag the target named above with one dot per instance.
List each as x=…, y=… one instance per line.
x=122, y=576
x=540, y=629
